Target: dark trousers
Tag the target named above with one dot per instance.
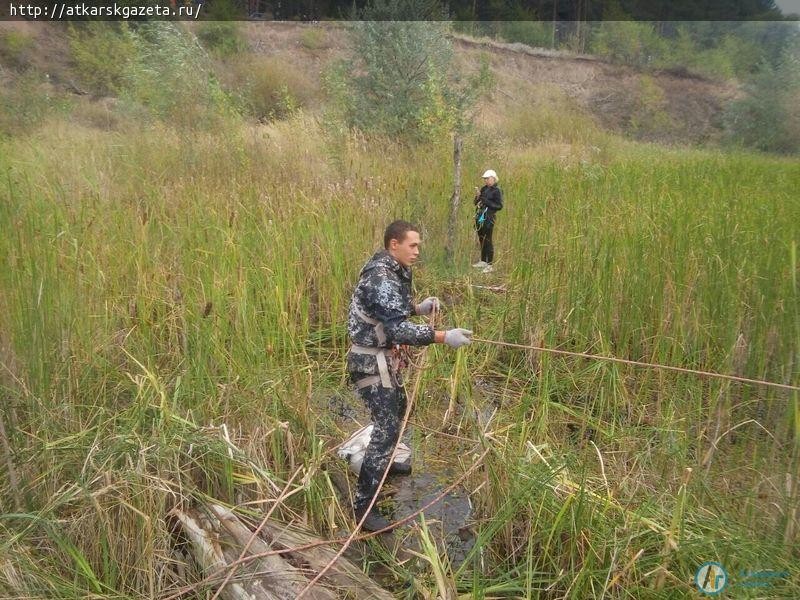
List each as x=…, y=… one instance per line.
x=485, y=239
x=387, y=407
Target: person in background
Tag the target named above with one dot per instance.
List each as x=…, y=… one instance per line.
x=488, y=201
x=378, y=322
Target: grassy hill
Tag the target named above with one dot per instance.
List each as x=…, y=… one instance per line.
x=174, y=286
x=538, y=93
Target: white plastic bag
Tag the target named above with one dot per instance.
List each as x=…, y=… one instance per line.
x=355, y=447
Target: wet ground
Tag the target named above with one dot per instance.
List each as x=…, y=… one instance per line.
x=448, y=520
x=436, y=466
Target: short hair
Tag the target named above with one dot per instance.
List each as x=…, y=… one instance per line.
x=397, y=231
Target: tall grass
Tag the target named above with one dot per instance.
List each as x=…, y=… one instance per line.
x=174, y=300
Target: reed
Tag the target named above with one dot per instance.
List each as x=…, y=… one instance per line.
x=173, y=301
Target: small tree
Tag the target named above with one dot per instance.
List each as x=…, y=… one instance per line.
x=397, y=84
x=628, y=42
x=403, y=83
x=170, y=78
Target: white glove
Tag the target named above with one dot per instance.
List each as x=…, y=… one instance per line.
x=455, y=338
x=428, y=305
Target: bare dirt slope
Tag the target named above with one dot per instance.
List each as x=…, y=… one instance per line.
x=660, y=106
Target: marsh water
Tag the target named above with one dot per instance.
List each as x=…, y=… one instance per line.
x=435, y=461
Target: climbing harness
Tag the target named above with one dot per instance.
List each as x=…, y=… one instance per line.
x=383, y=356
x=384, y=377
x=481, y=217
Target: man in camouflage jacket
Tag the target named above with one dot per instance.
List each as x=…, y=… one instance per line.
x=378, y=322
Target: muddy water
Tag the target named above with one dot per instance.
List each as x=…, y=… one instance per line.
x=435, y=460
x=448, y=520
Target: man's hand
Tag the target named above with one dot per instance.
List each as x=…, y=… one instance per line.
x=455, y=338
x=427, y=306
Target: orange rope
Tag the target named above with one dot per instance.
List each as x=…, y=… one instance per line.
x=637, y=363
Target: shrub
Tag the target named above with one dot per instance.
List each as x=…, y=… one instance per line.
x=269, y=87
x=767, y=117
x=222, y=38
x=650, y=117
x=102, y=52
x=220, y=33
x=14, y=47
x=27, y=102
x=170, y=80
x=628, y=42
x=399, y=80
x=533, y=33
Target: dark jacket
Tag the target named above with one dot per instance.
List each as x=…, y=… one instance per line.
x=383, y=292
x=490, y=198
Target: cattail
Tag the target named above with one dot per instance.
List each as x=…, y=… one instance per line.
x=740, y=351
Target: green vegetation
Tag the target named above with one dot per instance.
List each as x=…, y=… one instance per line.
x=768, y=116
x=159, y=286
x=398, y=84
x=763, y=56
x=220, y=32
x=168, y=79
x=268, y=88
x=91, y=45
x=401, y=80
x=716, y=50
x=14, y=47
x=314, y=39
x=174, y=298
x=553, y=117
x=28, y=103
x=221, y=37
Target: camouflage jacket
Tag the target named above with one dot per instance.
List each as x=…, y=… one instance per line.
x=383, y=293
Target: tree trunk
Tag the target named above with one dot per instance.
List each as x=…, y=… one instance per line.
x=455, y=199
x=218, y=538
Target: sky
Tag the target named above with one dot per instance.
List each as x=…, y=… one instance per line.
x=789, y=6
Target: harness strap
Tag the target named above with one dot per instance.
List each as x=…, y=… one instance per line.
x=482, y=216
x=380, y=355
x=368, y=381
x=379, y=332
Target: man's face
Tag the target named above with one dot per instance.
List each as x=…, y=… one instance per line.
x=489, y=181
x=406, y=252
